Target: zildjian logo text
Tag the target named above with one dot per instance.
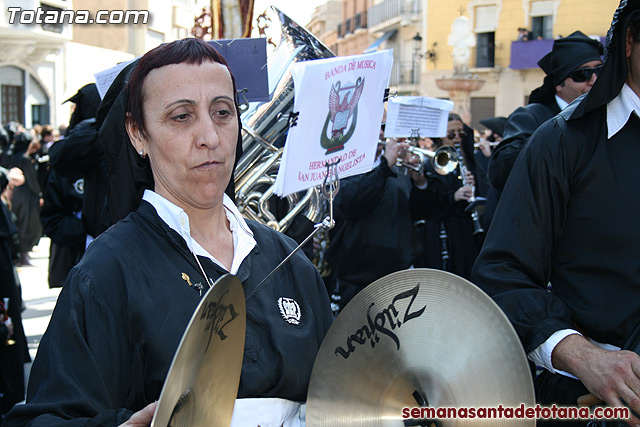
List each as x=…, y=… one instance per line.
x=217, y=316
x=378, y=324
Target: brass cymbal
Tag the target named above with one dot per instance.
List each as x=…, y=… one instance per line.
x=202, y=383
x=415, y=336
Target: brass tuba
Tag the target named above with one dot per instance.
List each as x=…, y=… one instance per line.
x=264, y=130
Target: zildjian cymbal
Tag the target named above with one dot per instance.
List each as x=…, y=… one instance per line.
x=418, y=338
x=202, y=383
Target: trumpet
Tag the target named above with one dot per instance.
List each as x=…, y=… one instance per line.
x=445, y=159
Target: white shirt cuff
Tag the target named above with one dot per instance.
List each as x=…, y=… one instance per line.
x=423, y=186
x=541, y=356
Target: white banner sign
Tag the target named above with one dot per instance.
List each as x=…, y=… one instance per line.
x=340, y=106
x=409, y=114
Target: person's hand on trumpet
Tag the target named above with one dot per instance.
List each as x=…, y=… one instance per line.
x=392, y=150
x=411, y=159
x=408, y=159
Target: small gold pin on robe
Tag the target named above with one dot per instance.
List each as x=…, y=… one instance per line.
x=186, y=278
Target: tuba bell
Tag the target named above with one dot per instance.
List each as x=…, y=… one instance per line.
x=264, y=130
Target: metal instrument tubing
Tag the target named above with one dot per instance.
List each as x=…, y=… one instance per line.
x=298, y=208
x=475, y=218
x=266, y=144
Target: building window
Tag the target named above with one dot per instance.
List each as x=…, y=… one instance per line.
x=12, y=103
x=542, y=27
x=485, y=50
x=53, y=27
x=340, y=30
x=486, y=19
x=542, y=19
x=481, y=108
x=357, y=21
x=347, y=26
x=40, y=114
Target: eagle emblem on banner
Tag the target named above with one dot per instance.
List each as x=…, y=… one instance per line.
x=343, y=113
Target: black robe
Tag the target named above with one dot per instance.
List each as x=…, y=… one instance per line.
x=123, y=310
x=12, y=357
x=568, y=216
x=63, y=200
x=374, y=234
x=25, y=201
x=519, y=127
x=448, y=217
x=445, y=229
x=80, y=153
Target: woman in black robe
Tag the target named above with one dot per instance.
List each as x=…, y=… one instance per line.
x=124, y=308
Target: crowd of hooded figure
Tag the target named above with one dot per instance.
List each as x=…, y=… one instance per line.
x=42, y=187
x=525, y=215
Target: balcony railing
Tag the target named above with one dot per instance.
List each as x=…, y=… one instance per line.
x=527, y=54
x=404, y=73
x=352, y=24
x=390, y=9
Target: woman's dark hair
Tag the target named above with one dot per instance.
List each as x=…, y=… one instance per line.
x=185, y=51
x=454, y=116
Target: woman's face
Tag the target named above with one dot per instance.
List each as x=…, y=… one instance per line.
x=455, y=133
x=192, y=129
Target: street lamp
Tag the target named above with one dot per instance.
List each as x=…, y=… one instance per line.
x=417, y=42
x=417, y=45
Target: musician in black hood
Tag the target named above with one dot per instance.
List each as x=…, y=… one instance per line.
x=568, y=216
x=69, y=212
x=446, y=228
x=79, y=155
x=26, y=199
x=571, y=69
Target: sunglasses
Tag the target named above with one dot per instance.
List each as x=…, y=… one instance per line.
x=453, y=134
x=584, y=74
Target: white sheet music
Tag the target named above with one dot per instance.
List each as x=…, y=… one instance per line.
x=104, y=78
x=427, y=116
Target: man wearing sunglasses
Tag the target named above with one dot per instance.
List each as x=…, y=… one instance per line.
x=571, y=69
x=568, y=216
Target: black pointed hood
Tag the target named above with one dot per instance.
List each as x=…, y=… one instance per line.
x=614, y=72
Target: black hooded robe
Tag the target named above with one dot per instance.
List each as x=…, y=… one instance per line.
x=25, y=202
x=116, y=326
x=449, y=216
x=520, y=126
x=12, y=357
x=374, y=234
x=566, y=217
